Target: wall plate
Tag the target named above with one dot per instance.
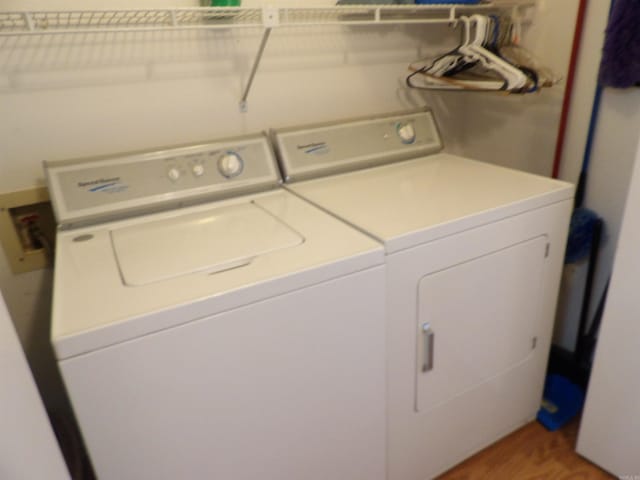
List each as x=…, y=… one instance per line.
x=23, y=258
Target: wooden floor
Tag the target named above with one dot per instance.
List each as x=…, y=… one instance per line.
x=531, y=453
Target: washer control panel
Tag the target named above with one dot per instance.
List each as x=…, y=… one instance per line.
x=226, y=164
x=105, y=187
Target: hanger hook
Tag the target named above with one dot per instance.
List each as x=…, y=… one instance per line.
x=467, y=29
x=481, y=23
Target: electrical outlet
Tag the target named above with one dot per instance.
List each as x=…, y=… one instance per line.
x=27, y=229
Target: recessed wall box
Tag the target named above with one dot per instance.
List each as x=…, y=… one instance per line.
x=27, y=229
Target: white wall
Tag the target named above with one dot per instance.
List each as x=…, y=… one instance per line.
x=610, y=429
x=81, y=95
x=28, y=448
x=30, y=295
x=584, y=88
x=614, y=143
x=612, y=160
x=521, y=131
x=588, y=63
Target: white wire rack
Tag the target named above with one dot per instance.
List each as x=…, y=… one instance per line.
x=87, y=21
x=20, y=23
x=389, y=14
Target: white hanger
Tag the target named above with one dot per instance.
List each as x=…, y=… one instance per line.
x=472, y=52
x=514, y=77
x=447, y=62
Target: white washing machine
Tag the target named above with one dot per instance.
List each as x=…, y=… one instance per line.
x=473, y=254
x=238, y=339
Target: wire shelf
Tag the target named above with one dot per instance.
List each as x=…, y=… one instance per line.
x=363, y=15
x=21, y=23
x=86, y=21
x=387, y=14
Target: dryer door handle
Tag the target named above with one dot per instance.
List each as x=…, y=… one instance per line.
x=428, y=338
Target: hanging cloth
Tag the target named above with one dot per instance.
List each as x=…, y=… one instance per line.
x=620, y=65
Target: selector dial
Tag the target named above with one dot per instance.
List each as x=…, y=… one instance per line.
x=197, y=170
x=230, y=165
x=406, y=132
x=173, y=173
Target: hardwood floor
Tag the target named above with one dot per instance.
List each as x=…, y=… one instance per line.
x=530, y=453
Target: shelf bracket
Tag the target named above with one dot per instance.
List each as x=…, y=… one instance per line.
x=270, y=19
x=28, y=20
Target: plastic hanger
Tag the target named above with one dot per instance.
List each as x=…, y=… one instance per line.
x=476, y=54
x=453, y=60
x=515, y=78
x=509, y=48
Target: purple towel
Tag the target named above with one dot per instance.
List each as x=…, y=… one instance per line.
x=620, y=66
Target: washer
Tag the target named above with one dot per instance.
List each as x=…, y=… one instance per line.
x=241, y=337
x=473, y=252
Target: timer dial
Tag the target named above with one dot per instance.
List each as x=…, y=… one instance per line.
x=406, y=132
x=230, y=165
x=197, y=170
x=173, y=173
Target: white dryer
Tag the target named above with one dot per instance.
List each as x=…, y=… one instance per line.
x=474, y=253
x=241, y=338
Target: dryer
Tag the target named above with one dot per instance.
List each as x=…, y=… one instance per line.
x=209, y=324
x=473, y=253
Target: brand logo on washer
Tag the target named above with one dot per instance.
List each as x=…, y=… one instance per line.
x=317, y=148
x=106, y=185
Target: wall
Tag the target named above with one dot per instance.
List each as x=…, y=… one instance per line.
x=26, y=432
x=588, y=62
x=610, y=428
x=612, y=159
x=82, y=95
x=615, y=139
x=521, y=131
x=610, y=170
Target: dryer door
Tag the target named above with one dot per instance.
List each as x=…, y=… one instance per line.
x=476, y=321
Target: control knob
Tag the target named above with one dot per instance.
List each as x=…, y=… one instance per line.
x=173, y=173
x=197, y=170
x=406, y=132
x=230, y=165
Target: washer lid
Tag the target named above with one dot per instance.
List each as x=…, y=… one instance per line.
x=210, y=241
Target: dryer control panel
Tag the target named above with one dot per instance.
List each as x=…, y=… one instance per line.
x=98, y=189
x=320, y=150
